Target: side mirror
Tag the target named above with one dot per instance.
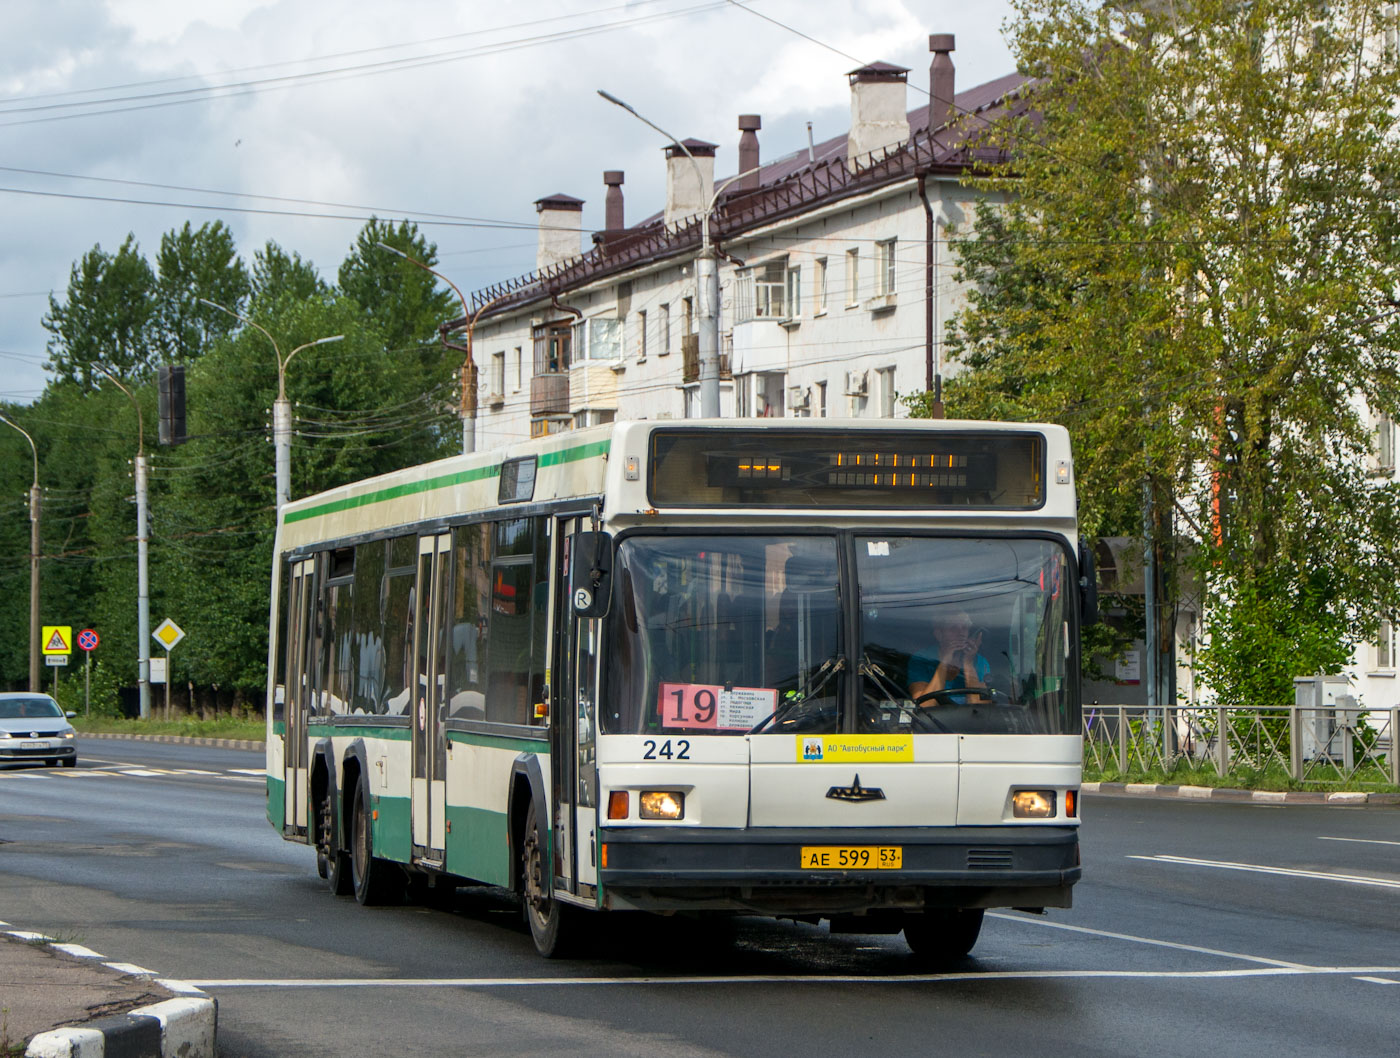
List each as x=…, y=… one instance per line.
x=1088, y=585
x=590, y=574
x=70, y=714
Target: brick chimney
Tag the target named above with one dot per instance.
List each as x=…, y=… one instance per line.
x=940, y=81
x=878, y=117
x=685, y=194
x=749, y=124
x=612, y=210
x=561, y=229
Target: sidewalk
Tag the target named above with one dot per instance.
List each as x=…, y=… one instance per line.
x=60, y=999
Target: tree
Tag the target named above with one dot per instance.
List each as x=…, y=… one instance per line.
x=277, y=273
x=1196, y=274
x=105, y=319
x=196, y=264
x=404, y=301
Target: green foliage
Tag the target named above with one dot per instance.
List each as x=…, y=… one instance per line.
x=1193, y=271
x=193, y=265
x=105, y=318
x=278, y=274
x=402, y=299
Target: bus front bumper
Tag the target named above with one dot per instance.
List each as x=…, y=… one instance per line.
x=663, y=868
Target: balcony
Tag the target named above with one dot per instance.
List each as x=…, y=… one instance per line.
x=549, y=394
x=690, y=367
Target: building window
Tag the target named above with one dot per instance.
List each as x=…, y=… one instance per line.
x=884, y=382
x=1385, y=646
x=553, y=347
x=884, y=267
x=852, y=277
x=819, y=288
x=498, y=374
x=663, y=323
x=593, y=417
x=771, y=291
x=687, y=316
x=1385, y=443
x=641, y=334
x=598, y=339
x=821, y=400
x=794, y=293
x=519, y=368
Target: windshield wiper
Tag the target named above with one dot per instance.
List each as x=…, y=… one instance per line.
x=819, y=679
x=880, y=679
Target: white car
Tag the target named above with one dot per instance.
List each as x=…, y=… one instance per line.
x=33, y=727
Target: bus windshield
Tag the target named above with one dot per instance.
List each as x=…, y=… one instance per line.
x=726, y=634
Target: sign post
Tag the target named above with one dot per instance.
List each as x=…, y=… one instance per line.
x=167, y=634
x=58, y=644
x=87, y=643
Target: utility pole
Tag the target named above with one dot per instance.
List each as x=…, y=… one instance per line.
x=143, y=586
x=35, y=503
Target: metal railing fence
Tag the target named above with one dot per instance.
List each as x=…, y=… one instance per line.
x=1308, y=745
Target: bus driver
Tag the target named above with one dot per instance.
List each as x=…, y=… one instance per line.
x=953, y=664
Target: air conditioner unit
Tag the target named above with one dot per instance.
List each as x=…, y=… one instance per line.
x=798, y=396
x=856, y=383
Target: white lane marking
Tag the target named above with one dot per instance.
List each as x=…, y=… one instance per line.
x=1361, y=841
x=194, y=771
x=557, y=982
x=144, y=772
x=21, y=934
x=262, y=772
x=1288, y=872
x=1152, y=941
x=1379, y=980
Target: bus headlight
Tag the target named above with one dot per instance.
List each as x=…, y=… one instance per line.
x=1033, y=804
x=662, y=804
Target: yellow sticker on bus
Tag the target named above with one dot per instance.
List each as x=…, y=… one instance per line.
x=854, y=749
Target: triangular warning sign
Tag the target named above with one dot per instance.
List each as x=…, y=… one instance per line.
x=56, y=643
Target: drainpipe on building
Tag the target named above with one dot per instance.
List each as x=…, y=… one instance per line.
x=933, y=373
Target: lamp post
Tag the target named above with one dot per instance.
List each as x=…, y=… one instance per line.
x=143, y=584
x=469, y=388
x=34, y=505
x=706, y=272
x=281, y=407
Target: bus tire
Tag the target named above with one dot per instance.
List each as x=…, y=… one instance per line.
x=552, y=925
x=332, y=861
x=370, y=876
x=943, y=934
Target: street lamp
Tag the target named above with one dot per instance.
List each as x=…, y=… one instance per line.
x=706, y=273
x=143, y=582
x=34, y=503
x=281, y=407
x=468, y=400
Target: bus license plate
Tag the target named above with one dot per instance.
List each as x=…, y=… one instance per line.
x=852, y=857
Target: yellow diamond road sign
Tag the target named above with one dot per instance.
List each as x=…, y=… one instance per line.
x=168, y=633
x=58, y=639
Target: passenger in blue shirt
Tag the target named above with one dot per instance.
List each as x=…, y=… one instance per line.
x=954, y=664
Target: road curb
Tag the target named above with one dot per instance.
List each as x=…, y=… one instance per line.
x=184, y=1026
x=1226, y=794
x=185, y=740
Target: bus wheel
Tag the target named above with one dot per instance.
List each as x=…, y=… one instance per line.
x=370, y=875
x=332, y=862
x=550, y=921
x=943, y=934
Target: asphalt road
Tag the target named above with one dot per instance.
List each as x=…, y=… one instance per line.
x=1199, y=929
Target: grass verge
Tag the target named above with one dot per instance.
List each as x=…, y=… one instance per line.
x=224, y=727
x=1188, y=773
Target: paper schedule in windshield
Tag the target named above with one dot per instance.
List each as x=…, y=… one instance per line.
x=711, y=707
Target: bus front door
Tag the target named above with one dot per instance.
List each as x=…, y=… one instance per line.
x=573, y=728
x=430, y=699
x=298, y=692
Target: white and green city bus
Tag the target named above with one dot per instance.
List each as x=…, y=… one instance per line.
x=702, y=667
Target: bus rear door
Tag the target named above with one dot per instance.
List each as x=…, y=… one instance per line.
x=429, y=791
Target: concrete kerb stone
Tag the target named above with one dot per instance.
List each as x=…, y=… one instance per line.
x=1226, y=794
x=184, y=1026
x=185, y=740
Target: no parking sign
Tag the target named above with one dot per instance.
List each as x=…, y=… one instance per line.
x=88, y=639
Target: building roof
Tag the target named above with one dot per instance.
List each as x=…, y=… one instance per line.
x=791, y=184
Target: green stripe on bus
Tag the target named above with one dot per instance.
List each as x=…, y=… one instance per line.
x=392, y=734
x=570, y=455
x=391, y=828
x=520, y=745
x=443, y=481
x=478, y=844
x=276, y=801
x=394, y=492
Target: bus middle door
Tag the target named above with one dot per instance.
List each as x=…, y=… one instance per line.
x=429, y=793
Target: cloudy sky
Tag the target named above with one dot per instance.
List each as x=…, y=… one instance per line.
x=294, y=120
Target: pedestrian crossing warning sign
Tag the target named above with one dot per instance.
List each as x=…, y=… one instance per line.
x=58, y=639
